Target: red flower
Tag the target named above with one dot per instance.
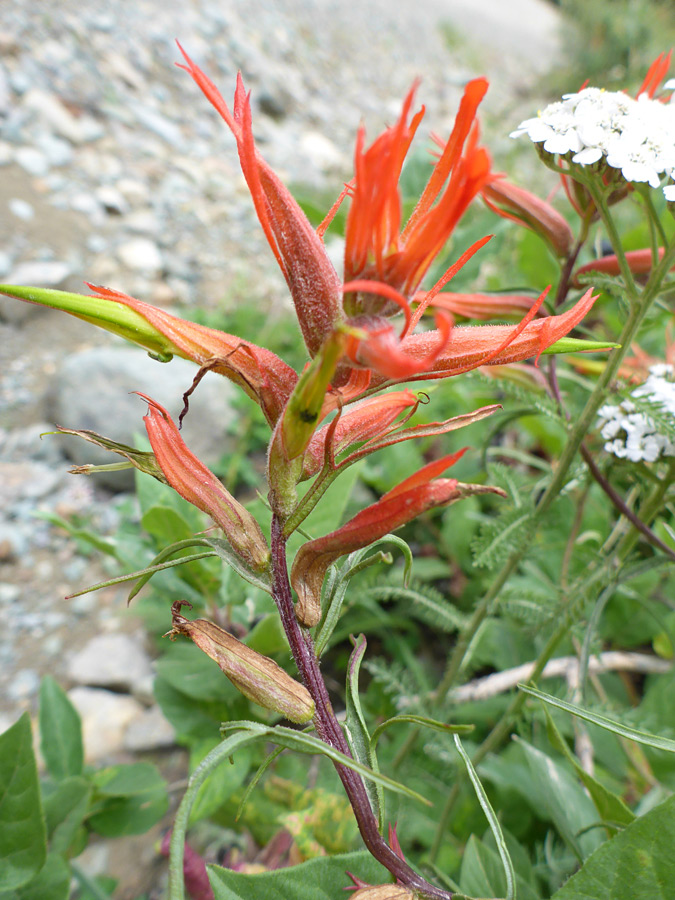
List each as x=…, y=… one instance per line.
x=398, y=506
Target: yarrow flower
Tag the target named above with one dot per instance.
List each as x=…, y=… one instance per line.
x=633, y=135
x=633, y=435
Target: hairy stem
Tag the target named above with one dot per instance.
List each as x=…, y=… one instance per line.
x=328, y=728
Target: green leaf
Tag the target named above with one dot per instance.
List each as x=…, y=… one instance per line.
x=568, y=806
x=426, y=603
x=144, y=575
x=638, y=863
x=65, y=808
x=52, y=882
x=611, y=809
x=323, y=878
x=132, y=799
x=500, y=537
x=423, y=722
x=307, y=743
x=128, y=780
x=486, y=806
x=640, y=737
x=222, y=782
x=227, y=554
x=60, y=731
x=356, y=729
x=108, y=314
x=574, y=345
x=23, y=839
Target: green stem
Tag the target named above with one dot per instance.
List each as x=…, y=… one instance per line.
x=210, y=762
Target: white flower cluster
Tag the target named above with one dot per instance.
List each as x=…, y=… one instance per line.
x=635, y=136
x=632, y=435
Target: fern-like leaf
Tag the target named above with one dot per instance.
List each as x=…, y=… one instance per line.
x=499, y=537
x=425, y=603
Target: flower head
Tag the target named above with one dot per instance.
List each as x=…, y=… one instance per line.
x=634, y=136
x=633, y=434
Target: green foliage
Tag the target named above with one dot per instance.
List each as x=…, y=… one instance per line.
x=22, y=828
x=46, y=822
x=639, y=859
x=317, y=879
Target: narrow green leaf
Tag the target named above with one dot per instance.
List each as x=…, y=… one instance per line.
x=574, y=345
x=356, y=729
x=108, y=314
x=638, y=863
x=323, y=878
x=60, y=731
x=226, y=553
x=640, y=737
x=307, y=743
x=23, y=839
x=423, y=722
x=226, y=779
x=250, y=787
x=612, y=809
x=495, y=827
x=142, y=573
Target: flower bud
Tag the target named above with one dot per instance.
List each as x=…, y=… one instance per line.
x=513, y=202
x=256, y=676
x=640, y=262
x=195, y=483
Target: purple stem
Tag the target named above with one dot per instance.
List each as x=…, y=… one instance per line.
x=328, y=728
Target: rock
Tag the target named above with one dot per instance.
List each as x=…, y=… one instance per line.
x=32, y=160
x=53, y=113
x=141, y=255
x=9, y=593
x=21, y=209
x=111, y=660
x=149, y=731
x=51, y=273
x=25, y=481
x=91, y=391
x=28, y=444
x=105, y=720
x=112, y=200
x=23, y=685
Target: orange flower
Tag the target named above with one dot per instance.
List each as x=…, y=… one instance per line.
x=406, y=501
x=375, y=246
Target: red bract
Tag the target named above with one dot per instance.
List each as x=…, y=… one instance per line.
x=480, y=306
x=375, y=247
x=403, y=503
x=195, y=483
x=522, y=206
x=264, y=377
x=311, y=278
x=472, y=346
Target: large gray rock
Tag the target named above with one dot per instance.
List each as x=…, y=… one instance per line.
x=111, y=660
x=92, y=391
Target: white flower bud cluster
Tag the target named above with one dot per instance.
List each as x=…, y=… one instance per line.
x=635, y=136
x=633, y=435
